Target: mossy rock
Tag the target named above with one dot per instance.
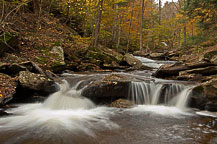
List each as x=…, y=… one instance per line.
x=104, y=56
x=41, y=60
x=211, y=57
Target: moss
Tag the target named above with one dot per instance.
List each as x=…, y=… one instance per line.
x=199, y=89
x=42, y=60
x=6, y=37
x=42, y=48
x=57, y=43
x=209, y=55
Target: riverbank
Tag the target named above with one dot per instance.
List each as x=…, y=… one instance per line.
x=51, y=47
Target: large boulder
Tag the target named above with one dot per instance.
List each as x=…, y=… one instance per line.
x=58, y=59
x=210, y=88
x=52, y=59
x=205, y=95
x=105, y=58
x=108, y=88
x=38, y=83
x=210, y=70
x=58, y=51
x=132, y=61
x=7, y=88
x=170, y=70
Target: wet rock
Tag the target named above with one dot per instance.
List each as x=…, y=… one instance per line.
x=210, y=88
x=108, y=88
x=132, y=61
x=170, y=70
x=191, y=77
x=211, y=70
x=122, y=103
x=31, y=82
x=3, y=113
x=8, y=87
x=106, y=91
x=159, y=56
x=200, y=64
x=211, y=107
x=205, y=95
x=211, y=57
x=198, y=98
x=141, y=53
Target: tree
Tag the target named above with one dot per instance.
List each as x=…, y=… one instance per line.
x=97, y=24
x=131, y=17
x=141, y=26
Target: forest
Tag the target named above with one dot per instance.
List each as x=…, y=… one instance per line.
x=108, y=71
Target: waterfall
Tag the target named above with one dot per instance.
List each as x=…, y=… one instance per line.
x=64, y=114
x=156, y=93
x=68, y=98
x=182, y=100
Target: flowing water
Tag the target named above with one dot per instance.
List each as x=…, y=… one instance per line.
x=160, y=116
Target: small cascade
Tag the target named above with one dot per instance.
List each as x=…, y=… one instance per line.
x=153, y=63
x=68, y=98
x=172, y=90
x=182, y=100
x=157, y=93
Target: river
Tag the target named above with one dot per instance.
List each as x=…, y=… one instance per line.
x=66, y=117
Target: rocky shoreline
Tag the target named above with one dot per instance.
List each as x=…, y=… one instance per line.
x=26, y=80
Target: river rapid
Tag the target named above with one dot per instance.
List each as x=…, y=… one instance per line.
x=66, y=117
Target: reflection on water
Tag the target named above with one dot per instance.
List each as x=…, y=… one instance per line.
x=32, y=124
x=68, y=118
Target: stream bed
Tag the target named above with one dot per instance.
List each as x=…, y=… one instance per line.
x=66, y=117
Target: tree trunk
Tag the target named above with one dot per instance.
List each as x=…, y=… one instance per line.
x=119, y=32
x=159, y=36
x=141, y=26
x=185, y=35
x=185, y=31
x=114, y=28
x=36, y=6
x=131, y=17
x=98, y=23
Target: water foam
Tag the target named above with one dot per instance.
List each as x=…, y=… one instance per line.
x=64, y=111
x=168, y=111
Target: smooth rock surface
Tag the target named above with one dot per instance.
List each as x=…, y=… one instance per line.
x=170, y=70
x=132, y=61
